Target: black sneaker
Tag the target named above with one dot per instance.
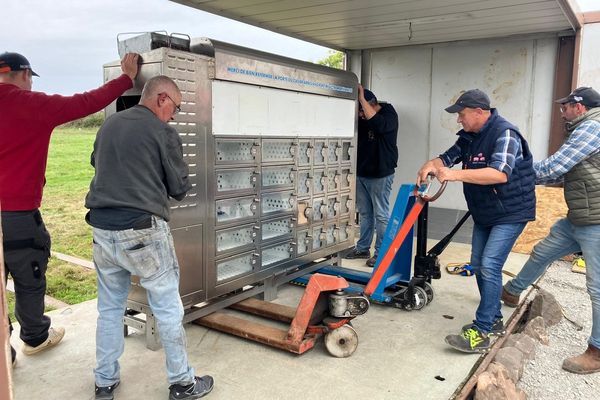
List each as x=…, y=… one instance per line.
x=354, y=254
x=106, y=392
x=200, y=388
x=371, y=261
x=497, y=328
x=470, y=341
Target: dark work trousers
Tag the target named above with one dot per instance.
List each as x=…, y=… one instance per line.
x=26, y=251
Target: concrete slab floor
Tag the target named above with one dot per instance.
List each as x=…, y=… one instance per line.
x=398, y=357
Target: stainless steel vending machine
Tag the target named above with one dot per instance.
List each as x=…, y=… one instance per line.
x=270, y=146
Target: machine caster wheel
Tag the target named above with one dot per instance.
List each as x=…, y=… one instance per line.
x=418, y=301
x=341, y=342
x=429, y=290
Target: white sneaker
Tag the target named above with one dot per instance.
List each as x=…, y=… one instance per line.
x=55, y=335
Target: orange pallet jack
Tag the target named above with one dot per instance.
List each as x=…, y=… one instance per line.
x=324, y=310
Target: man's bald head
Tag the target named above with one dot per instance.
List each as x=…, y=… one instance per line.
x=162, y=96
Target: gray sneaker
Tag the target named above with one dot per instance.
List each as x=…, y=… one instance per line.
x=105, y=392
x=469, y=341
x=200, y=388
x=354, y=254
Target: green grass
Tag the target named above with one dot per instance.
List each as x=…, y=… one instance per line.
x=69, y=283
x=68, y=176
x=10, y=298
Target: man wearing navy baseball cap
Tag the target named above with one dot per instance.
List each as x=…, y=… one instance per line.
x=27, y=119
x=499, y=186
x=577, y=165
x=10, y=62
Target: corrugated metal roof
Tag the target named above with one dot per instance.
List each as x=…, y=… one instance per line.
x=367, y=24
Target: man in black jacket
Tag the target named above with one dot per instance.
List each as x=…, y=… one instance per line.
x=376, y=162
x=138, y=158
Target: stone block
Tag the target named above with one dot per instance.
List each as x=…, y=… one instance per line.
x=536, y=328
x=525, y=343
x=512, y=360
x=545, y=305
x=495, y=384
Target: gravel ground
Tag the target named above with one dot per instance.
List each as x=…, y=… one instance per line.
x=543, y=378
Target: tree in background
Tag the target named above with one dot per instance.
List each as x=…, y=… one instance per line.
x=335, y=59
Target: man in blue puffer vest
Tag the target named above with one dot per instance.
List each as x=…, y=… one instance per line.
x=499, y=187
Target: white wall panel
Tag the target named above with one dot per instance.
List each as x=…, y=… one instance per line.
x=420, y=81
x=241, y=109
x=589, y=64
x=538, y=133
x=402, y=78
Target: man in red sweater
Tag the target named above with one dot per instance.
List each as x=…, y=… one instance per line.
x=27, y=119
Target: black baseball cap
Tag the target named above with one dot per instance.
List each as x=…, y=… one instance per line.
x=14, y=62
x=584, y=95
x=473, y=98
x=369, y=95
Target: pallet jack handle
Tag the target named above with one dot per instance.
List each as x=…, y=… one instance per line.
x=422, y=198
x=442, y=244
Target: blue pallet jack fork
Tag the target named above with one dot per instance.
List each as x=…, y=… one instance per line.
x=391, y=283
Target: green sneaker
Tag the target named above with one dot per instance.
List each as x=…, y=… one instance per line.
x=497, y=328
x=470, y=341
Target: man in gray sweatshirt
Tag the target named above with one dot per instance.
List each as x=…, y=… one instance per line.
x=138, y=159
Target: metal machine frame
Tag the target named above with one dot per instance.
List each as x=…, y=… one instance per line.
x=266, y=202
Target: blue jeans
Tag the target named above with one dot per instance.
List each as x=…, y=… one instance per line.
x=149, y=254
x=490, y=248
x=566, y=238
x=373, y=205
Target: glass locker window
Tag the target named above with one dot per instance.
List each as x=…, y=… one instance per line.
x=277, y=202
x=277, y=228
x=229, y=210
x=276, y=254
x=305, y=153
x=319, y=152
x=282, y=176
x=235, y=266
x=302, y=243
x=319, y=181
x=235, y=238
x=332, y=180
x=347, y=150
x=235, y=180
x=237, y=151
x=317, y=238
x=304, y=183
x=278, y=150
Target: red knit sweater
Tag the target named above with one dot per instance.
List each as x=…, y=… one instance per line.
x=26, y=122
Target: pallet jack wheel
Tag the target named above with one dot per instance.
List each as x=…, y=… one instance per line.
x=418, y=301
x=429, y=290
x=341, y=342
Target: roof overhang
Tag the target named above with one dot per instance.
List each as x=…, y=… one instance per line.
x=359, y=24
